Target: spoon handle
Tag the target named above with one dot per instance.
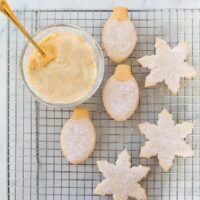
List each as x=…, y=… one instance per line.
x=6, y=10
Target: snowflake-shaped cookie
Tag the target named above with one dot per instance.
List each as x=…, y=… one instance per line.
x=121, y=179
x=166, y=139
x=168, y=65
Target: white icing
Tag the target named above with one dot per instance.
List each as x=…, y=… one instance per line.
x=121, y=179
x=119, y=38
x=78, y=139
x=121, y=97
x=166, y=139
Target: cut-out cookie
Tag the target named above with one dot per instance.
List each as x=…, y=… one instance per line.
x=78, y=137
x=168, y=65
x=119, y=35
x=166, y=140
x=122, y=179
x=121, y=94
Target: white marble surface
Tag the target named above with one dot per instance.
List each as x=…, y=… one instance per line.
x=103, y=4
x=61, y=4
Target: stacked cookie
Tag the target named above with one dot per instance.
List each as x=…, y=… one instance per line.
x=121, y=98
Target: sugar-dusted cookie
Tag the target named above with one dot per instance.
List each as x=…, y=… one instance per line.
x=78, y=136
x=166, y=140
x=121, y=94
x=168, y=65
x=119, y=35
x=122, y=179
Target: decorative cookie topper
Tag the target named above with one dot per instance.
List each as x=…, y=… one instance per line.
x=166, y=140
x=120, y=13
x=121, y=94
x=80, y=113
x=123, y=72
x=119, y=35
x=78, y=136
x=168, y=65
x=122, y=179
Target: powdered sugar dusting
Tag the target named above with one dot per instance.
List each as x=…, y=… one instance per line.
x=168, y=65
x=119, y=38
x=166, y=139
x=121, y=179
x=121, y=97
x=78, y=139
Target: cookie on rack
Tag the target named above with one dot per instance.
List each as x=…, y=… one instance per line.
x=166, y=140
x=121, y=94
x=168, y=65
x=119, y=35
x=78, y=136
x=121, y=180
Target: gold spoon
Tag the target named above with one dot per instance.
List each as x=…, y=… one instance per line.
x=6, y=10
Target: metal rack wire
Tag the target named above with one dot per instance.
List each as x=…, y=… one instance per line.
x=36, y=167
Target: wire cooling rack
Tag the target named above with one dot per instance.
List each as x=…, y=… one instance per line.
x=36, y=167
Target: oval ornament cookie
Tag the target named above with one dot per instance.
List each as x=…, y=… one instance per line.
x=119, y=35
x=78, y=137
x=121, y=94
